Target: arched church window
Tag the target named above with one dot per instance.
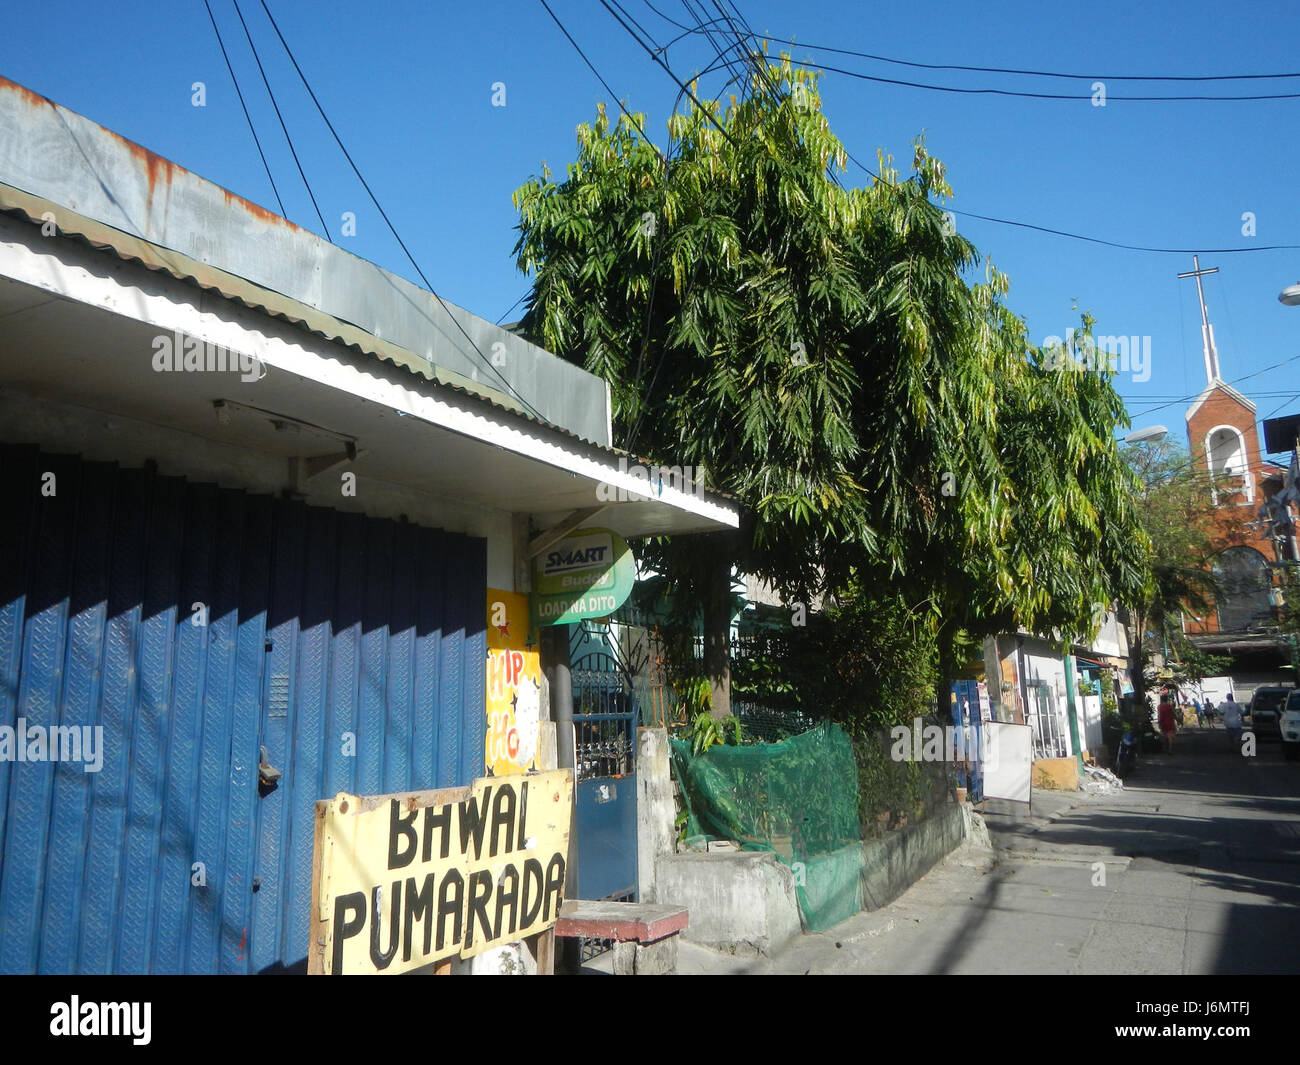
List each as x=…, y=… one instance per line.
x=1225, y=449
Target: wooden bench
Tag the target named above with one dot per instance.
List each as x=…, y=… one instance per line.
x=644, y=934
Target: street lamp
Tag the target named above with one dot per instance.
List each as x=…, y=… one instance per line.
x=1152, y=434
x=1290, y=295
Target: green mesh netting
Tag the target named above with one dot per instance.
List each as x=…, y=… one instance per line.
x=798, y=798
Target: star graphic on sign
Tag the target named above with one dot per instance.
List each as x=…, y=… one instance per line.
x=505, y=628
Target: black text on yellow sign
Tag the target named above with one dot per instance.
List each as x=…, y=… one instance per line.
x=406, y=880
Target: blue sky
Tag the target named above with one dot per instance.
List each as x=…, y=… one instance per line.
x=409, y=88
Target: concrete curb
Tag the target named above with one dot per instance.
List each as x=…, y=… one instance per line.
x=893, y=864
x=744, y=903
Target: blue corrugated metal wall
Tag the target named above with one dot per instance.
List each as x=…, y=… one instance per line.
x=320, y=625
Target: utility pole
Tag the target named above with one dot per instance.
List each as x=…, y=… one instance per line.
x=559, y=675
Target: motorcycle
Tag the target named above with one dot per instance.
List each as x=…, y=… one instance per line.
x=1126, y=757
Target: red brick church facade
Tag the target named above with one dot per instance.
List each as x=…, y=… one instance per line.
x=1224, y=440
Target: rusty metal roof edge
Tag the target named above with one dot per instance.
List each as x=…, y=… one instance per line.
x=257, y=297
x=249, y=293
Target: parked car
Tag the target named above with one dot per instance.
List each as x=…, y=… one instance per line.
x=1266, y=708
x=1289, y=726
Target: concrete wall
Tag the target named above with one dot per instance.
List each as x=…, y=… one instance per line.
x=655, y=809
x=1056, y=774
x=745, y=902
x=742, y=902
x=1089, y=714
x=893, y=864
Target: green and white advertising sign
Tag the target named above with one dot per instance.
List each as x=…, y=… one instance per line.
x=588, y=574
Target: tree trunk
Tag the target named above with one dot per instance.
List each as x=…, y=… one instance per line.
x=943, y=683
x=717, y=631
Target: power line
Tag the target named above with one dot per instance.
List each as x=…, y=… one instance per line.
x=653, y=54
x=1171, y=397
x=1051, y=231
x=292, y=151
x=1079, y=236
x=1113, y=243
x=512, y=307
x=247, y=117
x=384, y=214
x=591, y=66
x=1014, y=71
x=1196, y=458
x=752, y=55
x=1053, y=95
x=1034, y=73
x=1188, y=399
x=1286, y=403
x=708, y=30
x=719, y=59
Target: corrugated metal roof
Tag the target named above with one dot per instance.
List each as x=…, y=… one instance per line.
x=72, y=162
x=135, y=249
x=127, y=247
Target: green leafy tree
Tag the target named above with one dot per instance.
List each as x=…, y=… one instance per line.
x=818, y=350
x=1173, y=499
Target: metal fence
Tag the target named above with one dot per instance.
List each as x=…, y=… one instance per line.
x=1050, y=730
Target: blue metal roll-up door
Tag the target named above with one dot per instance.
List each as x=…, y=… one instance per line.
x=350, y=648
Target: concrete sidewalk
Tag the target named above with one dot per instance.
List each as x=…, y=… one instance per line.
x=1194, y=867
x=938, y=906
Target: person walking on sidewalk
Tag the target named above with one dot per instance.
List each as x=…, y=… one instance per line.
x=1200, y=714
x=1231, y=714
x=1165, y=722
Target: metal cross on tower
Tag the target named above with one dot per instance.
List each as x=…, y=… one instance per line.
x=1207, y=330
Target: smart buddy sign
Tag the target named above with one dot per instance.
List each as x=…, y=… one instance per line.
x=588, y=574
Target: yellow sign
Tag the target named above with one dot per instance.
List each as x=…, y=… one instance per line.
x=400, y=881
x=514, y=687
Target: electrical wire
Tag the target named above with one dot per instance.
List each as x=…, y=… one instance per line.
x=1172, y=398
x=708, y=31
x=635, y=428
x=752, y=55
x=393, y=229
x=247, y=117
x=660, y=49
x=653, y=54
x=325, y=230
x=1286, y=403
x=512, y=307
x=1157, y=250
x=1188, y=399
x=1053, y=95
x=613, y=95
x=1033, y=73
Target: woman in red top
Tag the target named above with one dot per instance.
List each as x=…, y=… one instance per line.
x=1165, y=722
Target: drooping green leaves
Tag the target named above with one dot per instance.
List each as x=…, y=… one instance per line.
x=821, y=351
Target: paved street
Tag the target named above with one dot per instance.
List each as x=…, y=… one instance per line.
x=1201, y=856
